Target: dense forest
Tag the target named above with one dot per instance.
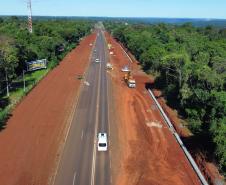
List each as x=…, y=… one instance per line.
x=18, y=46
x=189, y=66
x=51, y=40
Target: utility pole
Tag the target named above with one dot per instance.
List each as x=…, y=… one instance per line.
x=167, y=72
x=180, y=78
x=7, y=83
x=29, y=16
x=24, y=81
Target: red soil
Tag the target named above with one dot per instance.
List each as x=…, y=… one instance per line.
x=150, y=154
x=209, y=169
x=30, y=143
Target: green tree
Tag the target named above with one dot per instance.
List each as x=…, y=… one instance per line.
x=8, y=58
x=191, y=63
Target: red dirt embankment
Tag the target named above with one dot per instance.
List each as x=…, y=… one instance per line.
x=30, y=143
x=150, y=154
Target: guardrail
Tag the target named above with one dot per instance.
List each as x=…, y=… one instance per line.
x=126, y=53
x=188, y=155
x=171, y=127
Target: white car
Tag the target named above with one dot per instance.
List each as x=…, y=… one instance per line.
x=102, y=142
x=97, y=60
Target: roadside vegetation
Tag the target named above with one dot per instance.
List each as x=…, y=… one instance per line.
x=189, y=66
x=50, y=40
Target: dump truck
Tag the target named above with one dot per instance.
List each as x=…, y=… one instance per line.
x=130, y=81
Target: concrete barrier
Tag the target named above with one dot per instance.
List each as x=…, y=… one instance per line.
x=171, y=127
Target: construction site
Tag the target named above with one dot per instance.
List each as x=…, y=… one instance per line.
x=96, y=118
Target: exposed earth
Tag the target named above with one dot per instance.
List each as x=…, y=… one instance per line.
x=32, y=140
x=144, y=151
x=149, y=154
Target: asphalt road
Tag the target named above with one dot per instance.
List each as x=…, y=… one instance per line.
x=81, y=163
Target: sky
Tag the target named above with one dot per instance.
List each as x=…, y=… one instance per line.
x=119, y=8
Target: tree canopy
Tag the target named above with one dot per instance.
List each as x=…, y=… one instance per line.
x=48, y=40
x=191, y=63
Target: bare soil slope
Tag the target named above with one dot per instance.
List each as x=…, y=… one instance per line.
x=150, y=154
x=30, y=143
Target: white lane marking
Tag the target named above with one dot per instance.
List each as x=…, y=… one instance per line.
x=74, y=108
x=95, y=131
x=74, y=178
x=110, y=164
x=93, y=165
x=82, y=135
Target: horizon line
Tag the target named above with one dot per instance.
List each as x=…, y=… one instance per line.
x=207, y=18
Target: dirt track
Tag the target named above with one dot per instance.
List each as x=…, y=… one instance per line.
x=30, y=143
x=149, y=152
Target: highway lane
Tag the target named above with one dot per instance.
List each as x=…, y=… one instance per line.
x=102, y=158
x=81, y=163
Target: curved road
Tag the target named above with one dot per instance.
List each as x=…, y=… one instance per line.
x=81, y=163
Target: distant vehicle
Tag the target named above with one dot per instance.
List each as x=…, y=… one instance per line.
x=97, y=60
x=125, y=69
x=109, y=66
x=102, y=142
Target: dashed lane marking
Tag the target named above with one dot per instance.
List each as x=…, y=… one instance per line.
x=82, y=135
x=74, y=178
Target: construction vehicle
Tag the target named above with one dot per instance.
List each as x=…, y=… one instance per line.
x=130, y=80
